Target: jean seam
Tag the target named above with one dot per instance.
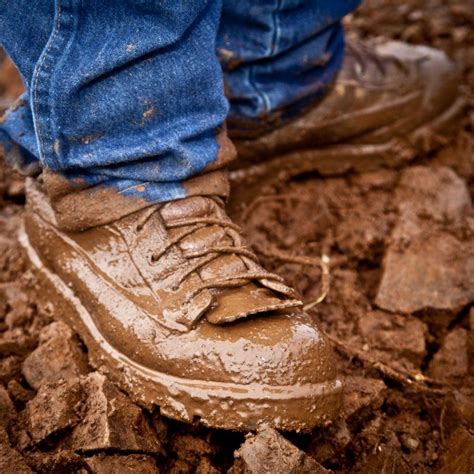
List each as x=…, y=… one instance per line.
x=36, y=102
x=262, y=96
x=276, y=28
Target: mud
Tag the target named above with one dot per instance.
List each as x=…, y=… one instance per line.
x=399, y=313
x=258, y=355
x=104, y=204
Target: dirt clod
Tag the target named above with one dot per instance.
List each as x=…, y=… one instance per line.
x=429, y=262
x=7, y=409
x=111, y=421
x=389, y=333
x=55, y=407
x=437, y=193
x=57, y=357
x=269, y=452
x=362, y=393
x=452, y=360
x=134, y=463
x=10, y=459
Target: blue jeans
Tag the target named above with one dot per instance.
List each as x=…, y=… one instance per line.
x=129, y=94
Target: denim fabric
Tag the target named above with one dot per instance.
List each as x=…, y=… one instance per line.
x=279, y=55
x=129, y=93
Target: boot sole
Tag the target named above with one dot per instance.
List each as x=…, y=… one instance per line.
x=214, y=404
x=247, y=183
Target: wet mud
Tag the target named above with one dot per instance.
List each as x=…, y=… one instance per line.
x=398, y=308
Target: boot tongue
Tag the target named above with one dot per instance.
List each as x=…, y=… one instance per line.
x=203, y=237
x=192, y=207
x=234, y=303
x=245, y=301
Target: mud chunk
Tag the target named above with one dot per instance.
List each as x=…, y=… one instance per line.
x=10, y=459
x=12, y=262
x=451, y=361
x=10, y=367
x=269, y=452
x=18, y=310
x=438, y=193
x=111, y=421
x=459, y=455
x=7, y=410
x=133, y=463
x=362, y=393
x=59, y=461
x=426, y=265
x=57, y=357
x=403, y=335
x=18, y=393
x=328, y=445
x=424, y=268
x=54, y=408
x=15, y=342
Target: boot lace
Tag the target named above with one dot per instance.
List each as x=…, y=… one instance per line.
x=208, y=255
x=365, y=55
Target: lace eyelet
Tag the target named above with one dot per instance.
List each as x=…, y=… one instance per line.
x=152, y=259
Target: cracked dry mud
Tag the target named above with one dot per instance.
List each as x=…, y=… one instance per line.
x=399, y=313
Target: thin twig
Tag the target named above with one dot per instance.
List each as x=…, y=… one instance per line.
x=406, y=378
x=325, y=283
x=265, y=199
x=322, y=262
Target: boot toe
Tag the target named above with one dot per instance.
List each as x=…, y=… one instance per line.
x=277, y=369
x=437, y=72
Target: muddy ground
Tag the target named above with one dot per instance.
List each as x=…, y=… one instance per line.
x=399, y=312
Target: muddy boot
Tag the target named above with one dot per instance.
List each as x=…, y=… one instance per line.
x=177, y=310
x=389, y=102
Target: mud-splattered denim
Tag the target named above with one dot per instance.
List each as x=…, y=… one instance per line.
x=278, y=55
x=131, y=93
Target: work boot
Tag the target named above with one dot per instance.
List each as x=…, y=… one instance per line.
x=390, y=101
x=176, y=309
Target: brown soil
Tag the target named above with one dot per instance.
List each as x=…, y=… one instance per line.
x=399, y=312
